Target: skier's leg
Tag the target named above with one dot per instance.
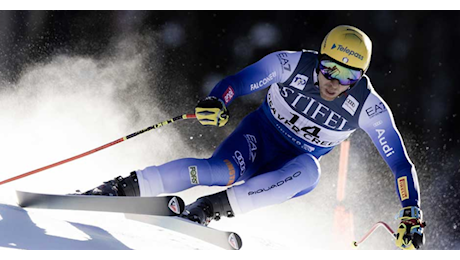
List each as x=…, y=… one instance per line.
x=235, y=157
x=232, y=158
x=297, y=177
x=171, y=177
x=182, y=174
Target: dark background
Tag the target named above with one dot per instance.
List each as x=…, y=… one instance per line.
x=414, y=68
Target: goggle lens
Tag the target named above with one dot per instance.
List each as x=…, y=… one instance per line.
x=344, y=75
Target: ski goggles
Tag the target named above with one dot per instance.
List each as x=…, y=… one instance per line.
x=346, y=76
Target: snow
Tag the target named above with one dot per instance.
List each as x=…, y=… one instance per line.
x=58, y=230
x=267, y=229
x=32, y=229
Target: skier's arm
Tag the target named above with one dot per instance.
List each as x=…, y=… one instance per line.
x=377, y=121
x=273, y=68
x=276, y=67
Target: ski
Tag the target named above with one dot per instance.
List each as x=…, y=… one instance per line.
x=161, y=206
x=223, y=239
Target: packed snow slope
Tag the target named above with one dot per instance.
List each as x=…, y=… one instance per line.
x=72, y=230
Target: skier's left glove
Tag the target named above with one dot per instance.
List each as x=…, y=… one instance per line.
x=212, y=111
x=409, y=235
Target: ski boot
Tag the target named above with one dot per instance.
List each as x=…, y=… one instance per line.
x=208, y=208
x=119, y=186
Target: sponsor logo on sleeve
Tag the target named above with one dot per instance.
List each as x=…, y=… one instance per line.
x=284, y=62
x=228, y=95
x=375, y=110
x=403, y=188
x=263, y=82
x=387, y=149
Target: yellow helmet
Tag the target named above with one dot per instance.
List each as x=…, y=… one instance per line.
x=349, y=46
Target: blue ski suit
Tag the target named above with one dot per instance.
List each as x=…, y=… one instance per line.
x=273, y=153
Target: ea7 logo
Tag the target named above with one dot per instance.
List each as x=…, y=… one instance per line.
x=252, y=141
x=284, y=62
x=375, y=110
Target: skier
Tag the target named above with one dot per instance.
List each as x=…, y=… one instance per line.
x=315, y=101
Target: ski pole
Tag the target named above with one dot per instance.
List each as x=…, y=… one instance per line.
x=158, y=125
x=376, y=225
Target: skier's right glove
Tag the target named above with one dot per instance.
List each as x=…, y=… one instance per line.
x=212, y=111
x=410, y=231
